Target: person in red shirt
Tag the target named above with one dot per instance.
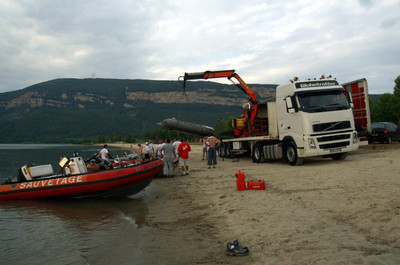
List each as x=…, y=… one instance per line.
x=183, y=151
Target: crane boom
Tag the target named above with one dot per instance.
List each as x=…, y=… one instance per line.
x=218, y=74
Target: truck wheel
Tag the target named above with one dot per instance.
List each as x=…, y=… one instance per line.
x=341, y=156
x=291, y=155
x=258, y=154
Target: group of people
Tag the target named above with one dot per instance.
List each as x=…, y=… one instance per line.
x=146, y=151
x=170, y=152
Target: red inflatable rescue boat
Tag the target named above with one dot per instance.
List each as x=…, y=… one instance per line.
x=36, y=182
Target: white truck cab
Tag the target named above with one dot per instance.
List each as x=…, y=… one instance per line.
x=314, y=119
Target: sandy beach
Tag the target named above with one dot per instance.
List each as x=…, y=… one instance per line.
x=323, y=212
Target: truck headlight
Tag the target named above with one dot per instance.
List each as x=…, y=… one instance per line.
x=311, y=143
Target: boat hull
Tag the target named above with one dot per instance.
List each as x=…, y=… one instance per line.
x=186, y=127
x=108, y=183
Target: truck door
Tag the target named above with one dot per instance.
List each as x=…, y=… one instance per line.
x=290, y=121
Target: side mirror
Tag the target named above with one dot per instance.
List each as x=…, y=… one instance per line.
x=350, y=99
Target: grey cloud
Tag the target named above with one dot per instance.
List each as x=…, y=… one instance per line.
x=267, y=41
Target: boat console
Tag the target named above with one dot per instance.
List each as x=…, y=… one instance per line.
x=74, y=166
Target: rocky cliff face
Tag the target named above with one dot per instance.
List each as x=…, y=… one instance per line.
x=39, y=99
x=224, y=97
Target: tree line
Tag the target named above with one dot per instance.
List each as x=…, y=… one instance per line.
x=387, y=108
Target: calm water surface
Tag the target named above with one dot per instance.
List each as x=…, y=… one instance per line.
x=90, y=231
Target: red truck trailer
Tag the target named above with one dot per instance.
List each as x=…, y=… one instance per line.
x=358, y=89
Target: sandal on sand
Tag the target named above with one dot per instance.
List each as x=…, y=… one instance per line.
x=235, y=249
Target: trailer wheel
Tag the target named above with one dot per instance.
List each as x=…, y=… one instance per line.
x=221, y=150
x=257, y=154
x=341, y=156
x=291, y=155
x=227, y=149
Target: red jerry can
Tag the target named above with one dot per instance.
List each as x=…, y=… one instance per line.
x=256, y=185
x=240, y=183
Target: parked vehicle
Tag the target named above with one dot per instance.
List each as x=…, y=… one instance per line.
x=384, y=132
x=309, y=118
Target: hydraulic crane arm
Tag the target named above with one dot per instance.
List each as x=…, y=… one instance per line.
x=218, y=74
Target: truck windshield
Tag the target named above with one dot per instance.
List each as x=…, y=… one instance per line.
x=323, y=101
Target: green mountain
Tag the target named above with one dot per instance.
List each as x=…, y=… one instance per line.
x=62, y=109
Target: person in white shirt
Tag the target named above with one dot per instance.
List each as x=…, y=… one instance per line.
x=151, y=150
x=146, y=151
x=160, y=144
x=104, y=155
x=176, y=145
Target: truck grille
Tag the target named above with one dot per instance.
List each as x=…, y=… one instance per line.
x=334, y=145
x=333, y=138
x=331, y=126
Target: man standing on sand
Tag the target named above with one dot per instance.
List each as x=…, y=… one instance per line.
x=212, y=143
x=183, y=151
x=205, y=152
x=140, y=150
x=151, y=150
x=158, y=151
x=176, y=144
x=169, y=155
x=146, y=152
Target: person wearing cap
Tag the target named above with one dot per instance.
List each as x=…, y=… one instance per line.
x=183, y=151
x=146, y=152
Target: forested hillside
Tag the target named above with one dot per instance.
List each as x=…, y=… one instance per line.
x=62, y=110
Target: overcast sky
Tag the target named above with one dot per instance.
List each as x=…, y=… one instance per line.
x=266, y=41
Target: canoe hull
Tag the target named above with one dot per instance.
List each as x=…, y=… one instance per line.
x=108, y=183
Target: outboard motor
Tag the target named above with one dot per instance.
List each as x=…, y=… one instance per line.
x=32, y=171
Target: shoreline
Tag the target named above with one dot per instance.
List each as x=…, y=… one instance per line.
x=325, y=211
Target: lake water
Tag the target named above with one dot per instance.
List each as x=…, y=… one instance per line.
x=90, y=231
